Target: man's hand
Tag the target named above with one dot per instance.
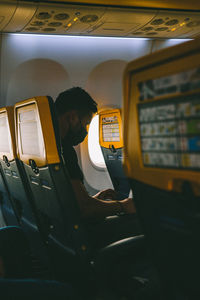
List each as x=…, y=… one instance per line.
x=106, y=194
x=128, y=206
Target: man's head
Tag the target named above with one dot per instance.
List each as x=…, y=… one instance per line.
x=75, y=109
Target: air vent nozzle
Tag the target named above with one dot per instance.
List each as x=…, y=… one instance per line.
x=43, y=16
x=61, y=17
x=89, y=18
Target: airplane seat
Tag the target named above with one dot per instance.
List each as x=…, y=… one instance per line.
x=8, y=213
x=11, y=207
x=171, y=229
x=162, y=155
x=66, y=238
x=111, y=142
x=40, y=153
x=21, y=205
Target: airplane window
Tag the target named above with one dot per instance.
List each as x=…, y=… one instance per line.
x=95, y=153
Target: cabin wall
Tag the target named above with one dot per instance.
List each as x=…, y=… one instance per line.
x=33, y=65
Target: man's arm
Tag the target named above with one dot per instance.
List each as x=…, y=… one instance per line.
x=94, y=207
x=106, y=194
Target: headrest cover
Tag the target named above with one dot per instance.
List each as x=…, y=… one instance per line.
x=7, y=134
x=35, y=132
x=110, y=128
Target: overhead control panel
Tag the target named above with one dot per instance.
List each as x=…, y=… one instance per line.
x=75, y=19
x=63, y=19
x=170, y=25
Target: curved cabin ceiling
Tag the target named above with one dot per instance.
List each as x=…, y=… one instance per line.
x=52, y=17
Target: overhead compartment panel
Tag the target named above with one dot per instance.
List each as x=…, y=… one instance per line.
x=63, y=19
x=119, y=22
x=71, y=19
x=7, y=10
x=23, y=14
x=168, y=24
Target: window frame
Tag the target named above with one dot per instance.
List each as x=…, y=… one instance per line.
x=99, y=168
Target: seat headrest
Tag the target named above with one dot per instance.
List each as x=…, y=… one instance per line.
x=162, y=113
x=7, y=133
x=35, y=135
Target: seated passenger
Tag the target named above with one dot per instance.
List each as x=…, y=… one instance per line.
x=75, y=109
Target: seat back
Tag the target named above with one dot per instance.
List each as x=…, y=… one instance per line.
x=20, y=207
x=13, y=173
x=162, y=160
x=10, y=207
x=111, y=142
x=38, y=148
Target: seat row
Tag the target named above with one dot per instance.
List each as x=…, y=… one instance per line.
x=36, y=193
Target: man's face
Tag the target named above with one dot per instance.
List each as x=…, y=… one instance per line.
x=77, y=127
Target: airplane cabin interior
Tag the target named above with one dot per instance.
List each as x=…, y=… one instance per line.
x=140, y=62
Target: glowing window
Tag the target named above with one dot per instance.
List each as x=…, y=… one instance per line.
x=95, y=152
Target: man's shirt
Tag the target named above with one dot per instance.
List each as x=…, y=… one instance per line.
x=71, y=162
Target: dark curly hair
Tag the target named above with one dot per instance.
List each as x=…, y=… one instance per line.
x=75, y=98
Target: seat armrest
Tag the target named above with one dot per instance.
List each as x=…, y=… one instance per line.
x=132, y=243
x=129, y=247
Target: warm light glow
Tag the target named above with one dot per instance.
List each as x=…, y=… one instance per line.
x=79, y=37
x=173, y=29
x=94, y=148
x=182, y=24
x=86, y=37
x=179, y=40
x=69, y=25
x=75, y=19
